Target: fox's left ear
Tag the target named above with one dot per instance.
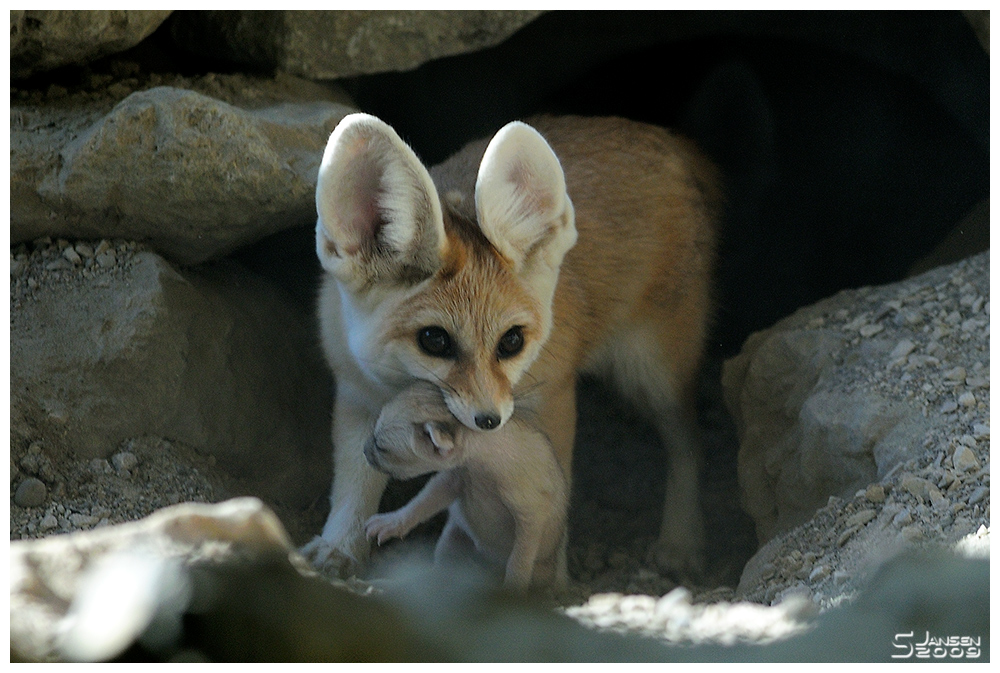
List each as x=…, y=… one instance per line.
x=521, y=198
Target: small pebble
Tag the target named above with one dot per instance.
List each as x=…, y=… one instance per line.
x=48, y=522
x=964, y=459
x=82, y=520
x=30, y=493
x=902, y=349
x=100, y=466
x=125, y=460
x=902, y=519
x=956, y=374
x=978, y=495
x=84, y=250
x=106, y=259
x=819, y=573
x=949, y=407
x=72, y=255
x=938, y=501
x=870, y=330
x=967, y=399
x=875, y=493
x=846, y=535
x=912, y=533
x=916, y=486
x=861, y=518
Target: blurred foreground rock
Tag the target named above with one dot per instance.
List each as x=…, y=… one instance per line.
x=221, y=583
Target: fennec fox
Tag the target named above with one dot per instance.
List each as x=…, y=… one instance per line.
x=571, y=244
x=505, y=493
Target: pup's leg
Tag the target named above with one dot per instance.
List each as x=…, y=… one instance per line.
x=521, y=563
x=439, y=492
x=357, y=488
x=455, y=546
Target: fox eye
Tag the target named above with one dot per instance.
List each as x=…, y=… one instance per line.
x=511, y=343
x=435, y=341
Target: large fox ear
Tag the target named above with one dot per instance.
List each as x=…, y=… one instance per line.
x=379, y=217
x=521, y=198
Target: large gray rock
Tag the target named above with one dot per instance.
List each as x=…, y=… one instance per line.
x=54, y=581
x=109, y=343
x=191, y=174
x=333, y=44
x=44, y=39
x=832, y=398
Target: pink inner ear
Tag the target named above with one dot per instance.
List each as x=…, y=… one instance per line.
x=360, y=189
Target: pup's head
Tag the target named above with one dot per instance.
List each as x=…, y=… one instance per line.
x=433, y=290
x=415, y=434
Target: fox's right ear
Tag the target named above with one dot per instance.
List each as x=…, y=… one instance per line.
x=379, y=216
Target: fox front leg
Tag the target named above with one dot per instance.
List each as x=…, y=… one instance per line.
x=342, y=548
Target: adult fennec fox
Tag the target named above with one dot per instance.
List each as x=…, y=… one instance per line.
x=505, y=493
x=570, y=244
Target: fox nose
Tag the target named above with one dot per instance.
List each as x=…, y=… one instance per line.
x=487, y=421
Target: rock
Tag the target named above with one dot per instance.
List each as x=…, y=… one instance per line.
x=44, y=39
x=916, y=486
x=861, y=518
x=964, y=459
x=330, y=45
x=213, y=175
x=822, y=412
x=216, y=358
x=124, y=460
x=30, y=493
x=54, y=568
x=875, y=493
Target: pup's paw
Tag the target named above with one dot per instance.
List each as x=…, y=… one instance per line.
x=383, y=527
x=329, y=560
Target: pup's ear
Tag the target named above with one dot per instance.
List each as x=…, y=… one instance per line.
x=379, y=217
x=521, y=198
x=441, y=437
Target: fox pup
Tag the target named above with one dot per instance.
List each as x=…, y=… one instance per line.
x=570, y=244
x=505, y=493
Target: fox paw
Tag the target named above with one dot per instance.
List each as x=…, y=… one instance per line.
x=383, y=527
x=329, y=560
x=684, y=563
